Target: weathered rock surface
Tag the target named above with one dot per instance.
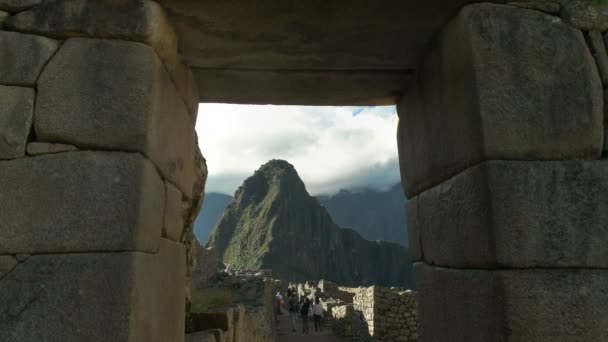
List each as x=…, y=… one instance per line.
x=586, y=15
x=23, y=56
x=491, y=91
x=17, y=5
x=95, y=297
x=141, y=21
x=512, y=305
x=37, y=148
x=173, y=223
x=80, y=202
x=541, y=5
x=7, y=264
x=152, y=119
x=518, y=215
x=273, y=223
x=16, y=112
x=600, y=53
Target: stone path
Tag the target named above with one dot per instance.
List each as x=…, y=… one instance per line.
x=284, y=333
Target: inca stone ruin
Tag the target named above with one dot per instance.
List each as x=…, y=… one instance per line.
x=501, y=140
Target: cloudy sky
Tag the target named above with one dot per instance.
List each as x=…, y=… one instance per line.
x=332, y=148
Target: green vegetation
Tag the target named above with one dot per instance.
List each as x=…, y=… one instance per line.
x=206, y=298
x=273, y=223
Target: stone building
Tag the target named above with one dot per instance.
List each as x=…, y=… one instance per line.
x=501, y=144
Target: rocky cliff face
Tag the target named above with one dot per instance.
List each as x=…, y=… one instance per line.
x=376, y=215
x=272, y=222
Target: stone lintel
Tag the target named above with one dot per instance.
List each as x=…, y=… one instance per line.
x=293, y=87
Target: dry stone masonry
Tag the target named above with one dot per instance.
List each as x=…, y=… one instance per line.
x=366, y=314
x=501, y=138
x=99, y=172
x=502, y=143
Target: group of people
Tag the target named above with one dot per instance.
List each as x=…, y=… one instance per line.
x=304, y=308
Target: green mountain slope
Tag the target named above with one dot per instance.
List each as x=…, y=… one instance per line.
x=272, y=222
x=376, y=215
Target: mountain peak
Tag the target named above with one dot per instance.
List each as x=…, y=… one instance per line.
x=277, y=168
x=272, y=222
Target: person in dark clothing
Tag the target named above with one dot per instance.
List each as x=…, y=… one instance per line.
x=293, y=311
x=304, y=312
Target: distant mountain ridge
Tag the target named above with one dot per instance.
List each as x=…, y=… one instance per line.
x=214, y=205
x=376, y=215
x=272, y=222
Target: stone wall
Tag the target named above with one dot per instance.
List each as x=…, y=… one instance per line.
x=388, y=314
x=502, y=149
x=367, y=313
x=342, y=320
x=249, y=317
x=100, y=172
x=206, y=267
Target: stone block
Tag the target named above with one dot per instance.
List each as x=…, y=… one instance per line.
x=201, y=336
x=490, y=90
x=173, y=222
x=512, y=305
x=16, y=115
x=187, y=88
x=141, y=21
x=17, y=5
x=518, y=215
x=37, y=148
x=23, y=57
x=221, y=318
x=131, y=106
x=122, y=297
x=585, y=15
x=600, y=53
x=413, y=229
x=7, y=264
x=238, y=323
x=80, y=202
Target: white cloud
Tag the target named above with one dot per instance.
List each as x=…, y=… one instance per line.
x=332, y=148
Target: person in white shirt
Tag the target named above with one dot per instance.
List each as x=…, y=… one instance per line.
x=317, y=311
x=279, y=300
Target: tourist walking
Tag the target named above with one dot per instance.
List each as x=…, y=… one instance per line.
x=279, y=300
x=293, y=311
x=317, y=311
x=304, y=312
